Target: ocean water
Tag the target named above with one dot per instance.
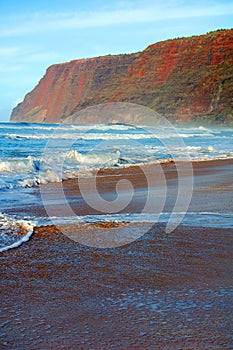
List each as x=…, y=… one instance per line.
x=37, y=153
x=34, y=154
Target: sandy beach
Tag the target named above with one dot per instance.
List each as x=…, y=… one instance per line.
x=212, y=189
x=163, y=291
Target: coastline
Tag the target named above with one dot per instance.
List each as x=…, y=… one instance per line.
x=163, y=291
x=210, y=179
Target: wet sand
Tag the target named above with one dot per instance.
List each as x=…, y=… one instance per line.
x=163, y=291
x=212, y=189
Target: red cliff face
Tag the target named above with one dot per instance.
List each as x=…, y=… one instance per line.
x=66, y=85
x=181, y=79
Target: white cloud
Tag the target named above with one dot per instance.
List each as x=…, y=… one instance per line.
x=11, y=55
x=38, y=56
x=9, y=68
x=42, y=22
x=8, y=51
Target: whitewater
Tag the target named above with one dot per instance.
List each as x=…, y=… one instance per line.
x=24, y=161
x=34, y=154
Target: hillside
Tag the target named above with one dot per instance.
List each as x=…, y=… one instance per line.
x=185, y=79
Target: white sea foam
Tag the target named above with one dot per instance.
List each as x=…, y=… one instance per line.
x=55, y=167
x=11, y=229
x=31, y=171
x=198, y=219
x=90, y=136
x=22, y=165
x=14, y=232
x=107, y=159
x=84, y=136
x=17, y=165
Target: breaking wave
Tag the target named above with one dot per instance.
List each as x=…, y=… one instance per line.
x=23, y=163
x=108, y=159
x=14, y=232
x=91, y=136
x=26, y=165
x=32, y=171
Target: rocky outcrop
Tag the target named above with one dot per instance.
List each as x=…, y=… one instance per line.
x=183, y=79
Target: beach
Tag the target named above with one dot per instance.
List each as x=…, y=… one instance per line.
x=116, y=175
x=211, y=186
x=165, y=290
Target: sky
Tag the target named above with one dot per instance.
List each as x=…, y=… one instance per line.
x=36, y=34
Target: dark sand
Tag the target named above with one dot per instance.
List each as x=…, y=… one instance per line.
x=163, y=291
x=212, y=189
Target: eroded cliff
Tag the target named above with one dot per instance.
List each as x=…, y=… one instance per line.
x=183, y=79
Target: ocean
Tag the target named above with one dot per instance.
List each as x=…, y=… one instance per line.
x=38, y=154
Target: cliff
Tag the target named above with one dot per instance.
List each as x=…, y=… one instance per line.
x=183, y=79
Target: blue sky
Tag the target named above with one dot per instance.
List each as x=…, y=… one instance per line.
x=34, y=35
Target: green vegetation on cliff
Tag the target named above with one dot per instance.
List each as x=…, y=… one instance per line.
x=184, y=79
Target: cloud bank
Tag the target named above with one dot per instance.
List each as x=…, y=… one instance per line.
x=44, y=22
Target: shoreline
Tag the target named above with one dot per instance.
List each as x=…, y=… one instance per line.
x=163, y=173
x=167, y=166
x=205, y=175
x=162, y=291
